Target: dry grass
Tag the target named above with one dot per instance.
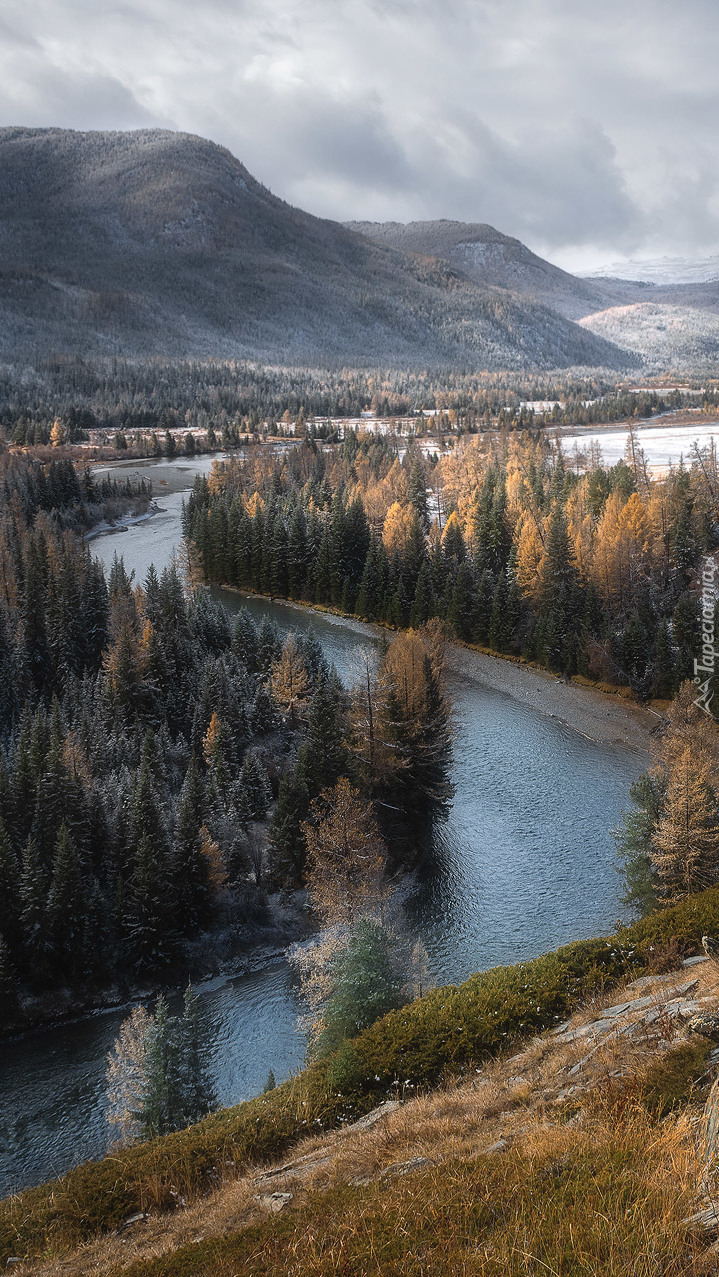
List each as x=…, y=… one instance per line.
x=584, y=1174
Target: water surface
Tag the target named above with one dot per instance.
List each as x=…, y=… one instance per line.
x=523, y=864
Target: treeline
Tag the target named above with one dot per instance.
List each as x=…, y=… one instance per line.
x=573, y=410
x=155, y=396
x=587, y=573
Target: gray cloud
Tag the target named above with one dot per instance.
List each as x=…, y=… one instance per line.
x=587, y=130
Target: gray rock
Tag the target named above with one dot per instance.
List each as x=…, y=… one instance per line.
x=405, y=1168
x=274, y=1202
x=498, y=1147
x=371, y=1119
x=706, y=1219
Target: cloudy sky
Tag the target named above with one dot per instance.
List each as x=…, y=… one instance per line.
x=588, y=129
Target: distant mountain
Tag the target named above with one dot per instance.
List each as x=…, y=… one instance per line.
x=662, y=270
x=668, y=314
x=160, y=243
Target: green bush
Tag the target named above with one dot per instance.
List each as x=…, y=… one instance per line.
x=447, y=1030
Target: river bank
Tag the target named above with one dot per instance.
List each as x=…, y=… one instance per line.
x=217, y=952
x=607, y=717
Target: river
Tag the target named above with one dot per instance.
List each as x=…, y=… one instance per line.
x=523, y=863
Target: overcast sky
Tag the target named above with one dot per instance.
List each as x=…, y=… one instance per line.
x=589, y=130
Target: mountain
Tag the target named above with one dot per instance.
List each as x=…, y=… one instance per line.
x=668, y=314
x=160, y=243
x=494, y=260
x=661, y=270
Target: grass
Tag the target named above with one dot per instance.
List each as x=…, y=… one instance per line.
x=411, y=1050
x=608, y=1198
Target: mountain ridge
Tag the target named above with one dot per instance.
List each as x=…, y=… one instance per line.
x=162, y=243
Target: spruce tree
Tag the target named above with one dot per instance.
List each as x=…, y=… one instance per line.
x=190, y=866
x=288, y=850
x=198, y=1097
x=9, y=889
x=323, y=756
x=367, y=986
x=255, y=794
x=161, y=1109
x=67, y=905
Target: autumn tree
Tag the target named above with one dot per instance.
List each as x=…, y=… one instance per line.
x=685, y=844
x=290, y=680
x=345, y=855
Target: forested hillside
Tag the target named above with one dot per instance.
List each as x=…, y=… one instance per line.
x=588, y=573
x=159, y=243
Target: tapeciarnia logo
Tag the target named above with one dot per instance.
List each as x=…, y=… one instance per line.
x=706, y=664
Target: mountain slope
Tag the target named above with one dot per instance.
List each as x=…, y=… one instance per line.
x=667, y=336
x=159, y=243
x=494, y=260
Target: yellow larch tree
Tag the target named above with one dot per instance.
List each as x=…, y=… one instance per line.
x=685, y=845
x=530, y=556
x=345, y=855
x=581, y=528
x=290, y=680
x=398, y=527
x=622, y=549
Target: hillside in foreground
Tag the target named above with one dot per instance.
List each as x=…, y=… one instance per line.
x=538, y=1117
x=160, y=243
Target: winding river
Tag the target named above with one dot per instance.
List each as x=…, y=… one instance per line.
x=523, y=863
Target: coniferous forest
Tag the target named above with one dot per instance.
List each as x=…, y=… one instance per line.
x=147, y=742
x=588, y=573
